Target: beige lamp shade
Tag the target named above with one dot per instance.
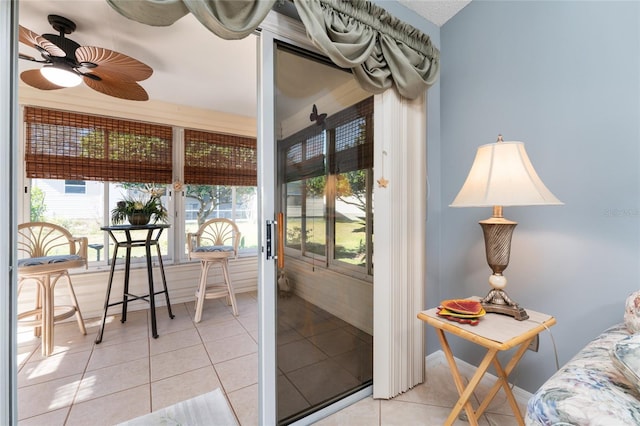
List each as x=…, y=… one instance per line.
x=502, y=175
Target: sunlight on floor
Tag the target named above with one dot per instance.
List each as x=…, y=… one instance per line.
x=131, y=374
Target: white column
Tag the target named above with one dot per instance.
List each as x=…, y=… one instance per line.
x=400, y=156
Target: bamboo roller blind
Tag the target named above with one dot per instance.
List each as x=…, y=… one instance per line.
x=346, y=139
x=73, y=146
x=68, y=145
x=219, y=159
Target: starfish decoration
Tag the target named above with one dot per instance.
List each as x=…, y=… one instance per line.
x=382, y=182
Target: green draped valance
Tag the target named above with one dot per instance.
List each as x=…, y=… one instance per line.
x=380, y=50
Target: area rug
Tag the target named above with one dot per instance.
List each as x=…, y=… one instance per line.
x=210, y=409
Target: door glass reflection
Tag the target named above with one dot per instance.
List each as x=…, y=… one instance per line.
x=324, y=186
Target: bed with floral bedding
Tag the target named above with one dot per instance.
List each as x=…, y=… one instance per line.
x=593, y=388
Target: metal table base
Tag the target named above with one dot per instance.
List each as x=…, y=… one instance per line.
x=153, y=232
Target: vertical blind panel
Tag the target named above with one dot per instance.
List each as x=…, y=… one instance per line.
x=219, y=159
x=67, y=145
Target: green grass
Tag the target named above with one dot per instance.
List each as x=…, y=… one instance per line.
x=350, y=238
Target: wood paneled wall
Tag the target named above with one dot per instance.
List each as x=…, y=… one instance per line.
x=348, y=298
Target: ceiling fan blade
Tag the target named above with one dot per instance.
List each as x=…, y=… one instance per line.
x=35, y=79
x=32, y=39
x=129, y=90
x=27, y=57
x=113, y=65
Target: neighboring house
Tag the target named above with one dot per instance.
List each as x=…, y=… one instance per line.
x=71, y=199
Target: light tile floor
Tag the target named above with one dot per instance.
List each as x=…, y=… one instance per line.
x=130, y=374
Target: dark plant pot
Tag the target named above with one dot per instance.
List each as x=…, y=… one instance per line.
x=138, y=218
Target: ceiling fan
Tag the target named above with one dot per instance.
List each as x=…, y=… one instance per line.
x=67, y=64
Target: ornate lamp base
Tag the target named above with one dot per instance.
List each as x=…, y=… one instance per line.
x=498, y=302
x=497, y=240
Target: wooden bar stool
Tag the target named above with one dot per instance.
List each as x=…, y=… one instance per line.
x=214, y=243
x=46, y=252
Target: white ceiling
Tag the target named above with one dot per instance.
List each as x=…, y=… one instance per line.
x=436, y=11
x=191, y=65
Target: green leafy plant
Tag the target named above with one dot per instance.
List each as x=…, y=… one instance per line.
x=149, y=206
x=38, y=207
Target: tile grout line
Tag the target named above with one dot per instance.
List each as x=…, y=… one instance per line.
x=215, y=371
x=73, y=400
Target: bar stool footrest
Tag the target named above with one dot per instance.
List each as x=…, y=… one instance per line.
x=61, y=312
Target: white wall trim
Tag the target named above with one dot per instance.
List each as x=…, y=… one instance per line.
x=400, y=222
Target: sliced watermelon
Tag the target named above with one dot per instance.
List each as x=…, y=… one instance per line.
x=462, y=306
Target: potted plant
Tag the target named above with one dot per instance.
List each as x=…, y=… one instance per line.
x=139, y=211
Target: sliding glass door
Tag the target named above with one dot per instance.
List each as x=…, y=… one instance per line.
x=322, y=188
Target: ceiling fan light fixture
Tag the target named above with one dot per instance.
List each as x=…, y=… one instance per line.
x=60, y=76
x=69, y=64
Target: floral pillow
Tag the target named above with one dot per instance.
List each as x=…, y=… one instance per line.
x=632, y=312
x=626, y=357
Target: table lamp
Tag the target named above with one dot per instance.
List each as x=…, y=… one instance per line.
x=502, y=175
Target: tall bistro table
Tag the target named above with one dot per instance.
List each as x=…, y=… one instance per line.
x=496, y=333
x=122, y=237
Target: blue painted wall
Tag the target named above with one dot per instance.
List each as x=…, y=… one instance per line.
x=563, y=77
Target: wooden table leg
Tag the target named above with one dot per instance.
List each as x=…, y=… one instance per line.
x=464, y=392
x=503, y=382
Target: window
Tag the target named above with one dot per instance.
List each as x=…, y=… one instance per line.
x=238, y=203
x=84, y=214
x=220, y=173
x=74, y=187
x=327, y=190
x=105, y=153
x=100, y=160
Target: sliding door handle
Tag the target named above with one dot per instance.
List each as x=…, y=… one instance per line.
x=269, y=240
x=280, y=247
x=279, y=224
